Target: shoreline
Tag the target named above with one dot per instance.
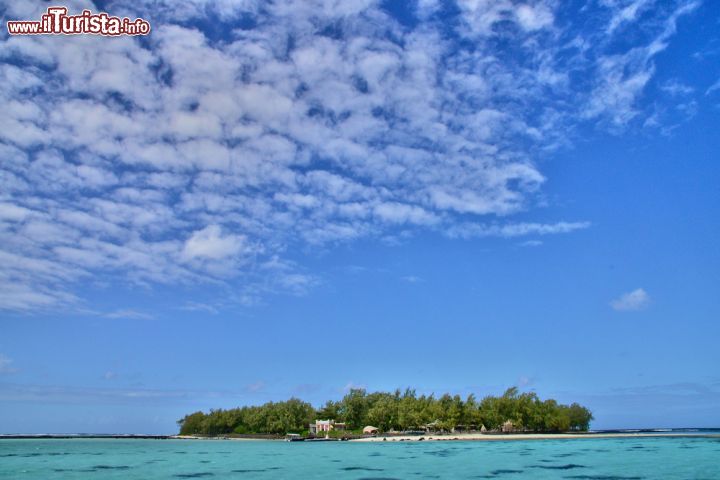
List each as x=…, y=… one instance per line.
x=484, y=437
x=481, y=437
x=476, y=437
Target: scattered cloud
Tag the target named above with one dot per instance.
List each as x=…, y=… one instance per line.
x=626, y=13
x=88, y=395
x=199, y=157
x=6, y=365
x=531, y=243
x=256, y=387
x=525, y=381
x=200, y=307
x=632, y=301
x=129, y=314
x=307, y=389
x=354, y=269
x=472, y=230
x=674, y=405
x=209, y=243
x=713, y=87
x=622, y=77
x=676, y=88
x=352, y=386
x=679, y=389
x=411, y=279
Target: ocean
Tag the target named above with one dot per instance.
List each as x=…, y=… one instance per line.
x=693, y=458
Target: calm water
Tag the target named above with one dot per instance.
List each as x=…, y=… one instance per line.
x=589, y=459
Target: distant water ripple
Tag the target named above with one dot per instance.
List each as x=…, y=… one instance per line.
x=574, y=459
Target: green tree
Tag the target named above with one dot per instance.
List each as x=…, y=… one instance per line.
x=579, y=417
x=331, y=410
x=191, y=424
x=490, y=413
x=384, y=413
x=353, y=408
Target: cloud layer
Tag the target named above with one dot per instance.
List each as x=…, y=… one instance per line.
x=205, y=154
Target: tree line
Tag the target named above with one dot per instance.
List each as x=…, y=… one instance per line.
x=399, y=411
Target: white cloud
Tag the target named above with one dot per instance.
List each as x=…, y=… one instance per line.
x=531, y=243
x=411, y=279
x=713, y=87
x=400, y=213
x=12, y=212
x=525, y=381
x=130, y=314
x=534, y=17
x=87, y=395
x=622, y=77
x=200, y=307
x=511, y=230
x=256, y=387
x=210, y=243
x=352, y=386
x=627, y=13
x=677, y=88
x=426, y=8
x=24, y=296
x=6, y=365
x=482, y=16
x=632, y=301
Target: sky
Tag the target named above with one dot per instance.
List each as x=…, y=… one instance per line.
x=261, y=200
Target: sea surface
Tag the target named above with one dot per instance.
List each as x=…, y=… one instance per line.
x=582, y=459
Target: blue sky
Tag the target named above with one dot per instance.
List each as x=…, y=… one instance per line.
x=262, y=200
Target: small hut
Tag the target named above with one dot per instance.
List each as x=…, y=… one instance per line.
x=370, y=430
x=432, y=426
x=508, y=427
x=483, y=429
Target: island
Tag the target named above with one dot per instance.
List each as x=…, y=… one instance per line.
x=361, y=414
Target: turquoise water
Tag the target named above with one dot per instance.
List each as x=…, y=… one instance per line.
x=588, y=459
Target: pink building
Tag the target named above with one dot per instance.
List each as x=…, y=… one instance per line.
x=324, y=426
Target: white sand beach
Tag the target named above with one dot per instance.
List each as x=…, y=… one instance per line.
x=518, y=436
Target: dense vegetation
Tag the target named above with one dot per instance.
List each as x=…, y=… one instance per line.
x=396, y=411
